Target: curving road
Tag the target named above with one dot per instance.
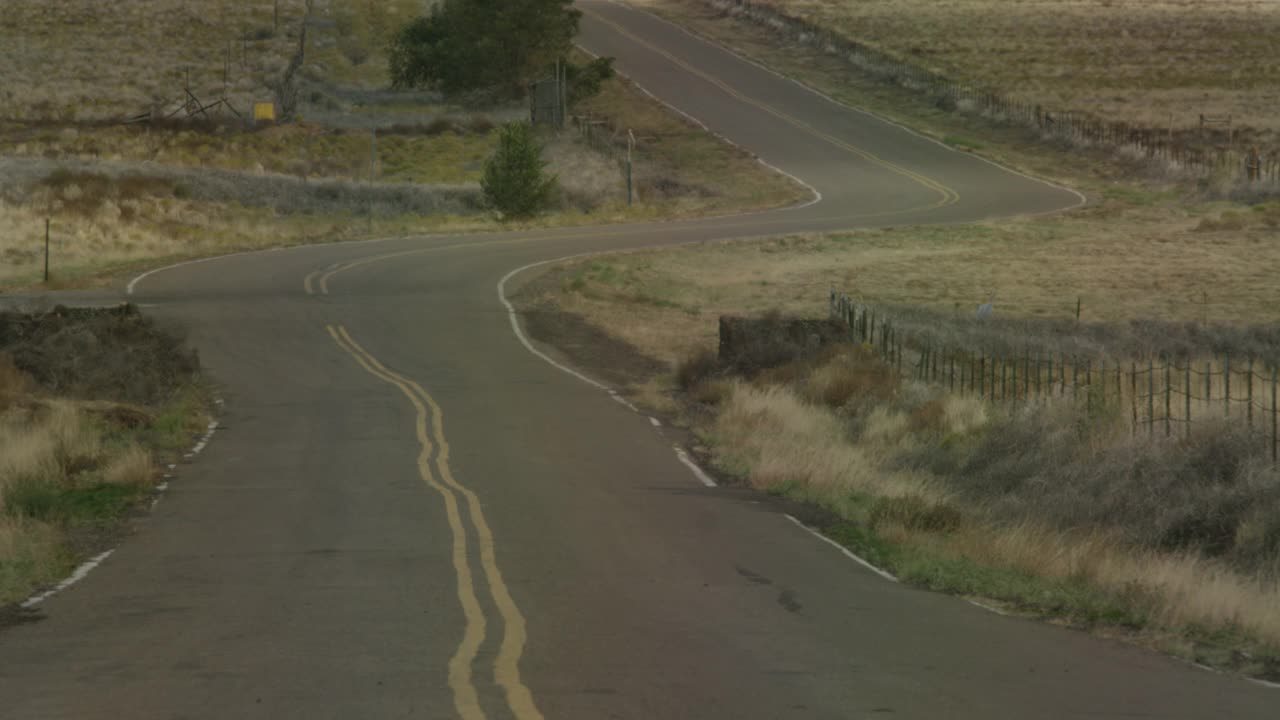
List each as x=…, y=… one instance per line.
x=406, y=513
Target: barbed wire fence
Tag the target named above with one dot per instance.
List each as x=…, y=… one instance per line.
x=1206, y=149
x=1160, y=395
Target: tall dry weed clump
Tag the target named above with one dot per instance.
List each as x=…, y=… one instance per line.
x=1180, y=532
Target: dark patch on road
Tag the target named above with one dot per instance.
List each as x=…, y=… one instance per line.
x=585, y=346
x=15, y=615
x=752, y=576
x=787, y=600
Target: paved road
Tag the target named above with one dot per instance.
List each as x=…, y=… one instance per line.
x=407, y=514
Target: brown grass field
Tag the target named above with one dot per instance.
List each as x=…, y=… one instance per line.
x=138, y=194
x=1150, y=62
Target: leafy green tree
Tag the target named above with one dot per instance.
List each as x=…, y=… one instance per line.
x=469, y=45
x=586, y=80
x=515, y=181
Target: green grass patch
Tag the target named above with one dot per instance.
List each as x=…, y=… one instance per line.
x=962, y=143
x=93, y=504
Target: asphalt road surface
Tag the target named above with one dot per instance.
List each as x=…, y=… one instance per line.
x=406, y=513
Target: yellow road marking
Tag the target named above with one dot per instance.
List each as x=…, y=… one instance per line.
x=949, y=196
x=465, y=698
x=506, y=671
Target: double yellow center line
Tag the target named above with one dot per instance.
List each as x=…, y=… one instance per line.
x=947, y=196
x=433, y=466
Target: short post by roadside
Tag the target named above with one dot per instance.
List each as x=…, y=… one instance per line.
x=46, y=251
x=631, y=146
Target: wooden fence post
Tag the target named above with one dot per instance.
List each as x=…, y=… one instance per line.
x=1133, y=393
x=1208, y=384
x=1249, y=393
x=1151, y=395
x=1102, y=382
x=1188, y=370
x=993, y=378
x=1273, y=414
x=1026, y=375
x=1088, y=386
x=1226, y=378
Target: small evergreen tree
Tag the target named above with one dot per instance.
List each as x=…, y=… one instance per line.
x=515, y=181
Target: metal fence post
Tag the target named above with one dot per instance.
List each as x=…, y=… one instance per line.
x=1168, y=398
x=46, y=251
x=1188, y=371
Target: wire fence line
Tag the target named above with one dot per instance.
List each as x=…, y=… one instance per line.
x=1161, y=393
x=605, y=137
x=1204, y=150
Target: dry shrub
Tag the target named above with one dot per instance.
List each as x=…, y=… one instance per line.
x=696, y=368
x=917, y=512
x=929, y=417
x=12, y=380
x=132, y=466
x=30, y=556
x=113, y=354
x=773, y=438
x=852, y=374
x=773, y=340
x=588, y=179
x=85, y=193
x=711, y=392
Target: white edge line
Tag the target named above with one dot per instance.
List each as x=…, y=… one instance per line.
x=817, y=196
x=88, y=566
x=988, y=608
x=704, y=478
x=515, y=324
x=79, y=574
x=848, y=553
x=704, y=39
x=132, y=286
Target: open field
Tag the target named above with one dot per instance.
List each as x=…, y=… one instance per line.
x=123, y=58
x=1122, y=260
x=1151, y=63
x=121, y=197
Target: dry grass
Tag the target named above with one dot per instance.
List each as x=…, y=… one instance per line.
x=448, y=156
x=852, y=460
x=1136, y=61
x=120, y=59
x=1125, y=260
x=678, y=166
x=124, y=197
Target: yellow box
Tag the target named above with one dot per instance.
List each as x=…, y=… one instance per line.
x=264, y=111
